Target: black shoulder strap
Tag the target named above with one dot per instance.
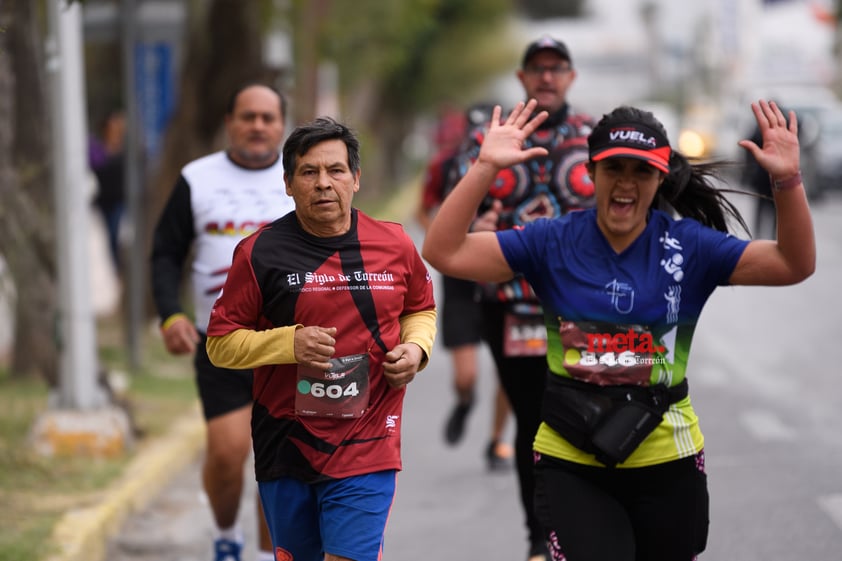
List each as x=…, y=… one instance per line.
x=352, y=266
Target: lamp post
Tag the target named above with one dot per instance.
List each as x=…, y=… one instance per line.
x=80, y=420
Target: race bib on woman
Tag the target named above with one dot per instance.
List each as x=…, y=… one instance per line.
x=608, y=354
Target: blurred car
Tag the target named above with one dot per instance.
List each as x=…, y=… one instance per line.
x=698, y=138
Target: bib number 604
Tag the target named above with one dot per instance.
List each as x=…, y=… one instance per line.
x=333, y=391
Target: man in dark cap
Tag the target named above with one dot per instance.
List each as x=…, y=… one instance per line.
x=547, y=73
x=545, y=186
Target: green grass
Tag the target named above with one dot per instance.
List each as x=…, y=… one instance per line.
x=24, y=537
x=36, y=490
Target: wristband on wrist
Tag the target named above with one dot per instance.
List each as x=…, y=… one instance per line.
x=171, y=320
x=786, y=184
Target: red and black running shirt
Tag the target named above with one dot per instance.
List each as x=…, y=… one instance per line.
x=361, y=282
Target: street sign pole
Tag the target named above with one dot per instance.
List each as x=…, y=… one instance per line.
x=137, y=278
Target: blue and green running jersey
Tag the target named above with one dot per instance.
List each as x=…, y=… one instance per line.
x=623, y=318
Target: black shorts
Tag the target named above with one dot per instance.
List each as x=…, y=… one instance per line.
x=221, y=390
x=461, y=317
x=656, y=513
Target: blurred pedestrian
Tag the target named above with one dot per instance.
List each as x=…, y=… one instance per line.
x=217, y=201
x=334, y=311
x=548, y=185
x=106, y=159
x=757, y=179
x=620, y=471
x=461, y=317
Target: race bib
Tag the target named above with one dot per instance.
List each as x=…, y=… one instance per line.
x=607, y=353
x=524, y=333
x=341, y=391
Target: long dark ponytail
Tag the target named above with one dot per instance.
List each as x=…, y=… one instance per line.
x=689, y=188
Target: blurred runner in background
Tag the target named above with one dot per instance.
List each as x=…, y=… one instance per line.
x=461, y=317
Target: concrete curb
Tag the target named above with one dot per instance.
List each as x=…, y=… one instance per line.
x=82, y=534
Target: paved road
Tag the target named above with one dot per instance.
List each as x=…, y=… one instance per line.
x=764, y=378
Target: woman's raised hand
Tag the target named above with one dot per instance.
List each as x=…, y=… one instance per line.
x=779, y=153
x=503, y=143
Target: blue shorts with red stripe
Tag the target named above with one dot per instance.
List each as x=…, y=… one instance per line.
x=344, y=517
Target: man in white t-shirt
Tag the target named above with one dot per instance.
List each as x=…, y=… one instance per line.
x=218, y=200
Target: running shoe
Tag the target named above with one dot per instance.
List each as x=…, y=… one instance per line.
x=499, y=456
x=454, y=429
x=227, y=550
x=538, y=552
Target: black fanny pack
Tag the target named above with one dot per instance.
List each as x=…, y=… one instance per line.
x=607, y=421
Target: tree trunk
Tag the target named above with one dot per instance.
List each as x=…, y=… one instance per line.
x=27, y=234
x=224, y=49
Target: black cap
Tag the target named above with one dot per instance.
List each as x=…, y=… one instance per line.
x=546, y=43
x=630, y=140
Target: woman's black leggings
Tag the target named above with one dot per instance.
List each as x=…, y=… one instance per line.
x=655, y=513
